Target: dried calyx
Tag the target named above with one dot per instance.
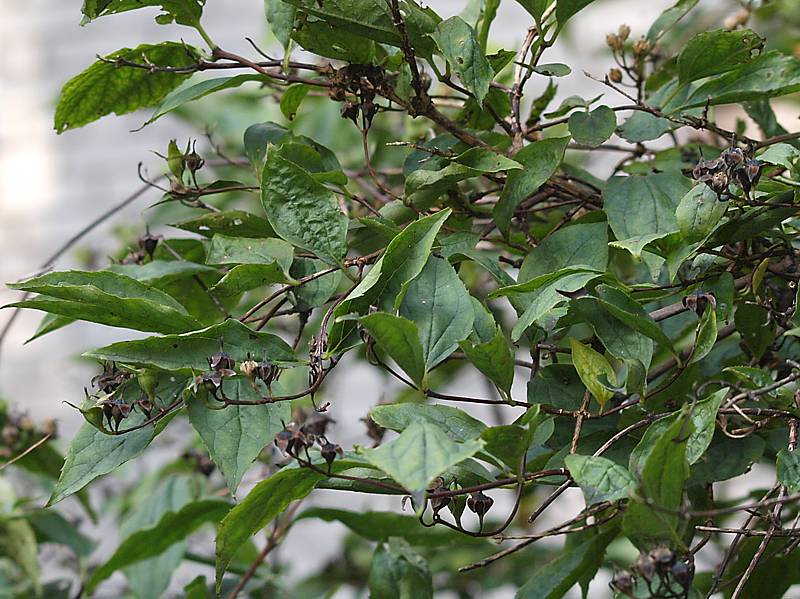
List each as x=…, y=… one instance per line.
x=733, y=166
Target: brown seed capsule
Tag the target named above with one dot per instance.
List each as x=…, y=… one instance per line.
x=642, y=47
x=698, y=301
x=646, y=566
x=221, y=361
x=350, y=111
x=329, y=451
x=614, y=42
x=248, y=368
x=480, y=503
x=733, y=157
x=439, y=503
x=664, y=557
x=624, y=32
x=622, y=581
x=719, y=182
x=683, y=573
x=148, y=243
x=615, y=75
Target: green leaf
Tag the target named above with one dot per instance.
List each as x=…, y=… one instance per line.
x=754, y=324
x=106, y=298
x=92, y=453
x=316, y=292
x=669, y=18
x=301, y=210
x=471, y=163
x=706, y=334
x=699, y=212
x=600, y=479
x=398, y=337
x=233, y=223
x=372, y=19
x=788, y=466
x=440, y=306
x=536, y=8
x=150, y=542
x=265, y=501
x=593, y=128
x=403, y=260
x=643, y=207
x=771, y=74
x=784, y=155
x=509, y=443
x=48, y=324
x=553, y=580
x=191, y=351
x=494, y=358
x=291, y=99
x=566, y=9
x=183, y=12
x=151, y=577
x=554, y=69
x=592, y=365
x=104, y=88
x=160, y=272
x=260, y=262
x=539, y=160
x=189, y=92
x=280, y=17
x=398, y=572
x=236, y=435
x=713, y=52
x=458, y=44
x=327, y=40
x=421, y=453
x=650, y=518
x=381, y=526
x=456, y=424
x=643, y=126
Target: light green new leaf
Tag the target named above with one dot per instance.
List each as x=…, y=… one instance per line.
x=539, y=160
x=788, y=466
x=591, y=365
x=291, y=99
x=439, y=304
x=553, y=580
x=189, y=92
x=104, y=87
x=713, y=52
x=236, y=435
x=494, y=358
x=458, y=44
x=190, y=352
x=421, y=453
x=600, y=479
x=457, y=424
x=651, y=516
x=150, y=542
x=706, y=334
x=699, y=212
x=398, y=337
x=301, y=210
x=106, y=298
x=593, y=128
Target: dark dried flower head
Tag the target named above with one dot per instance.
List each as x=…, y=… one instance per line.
x=697, y=301
x=480, y=503
x=719, y=182
x=664, y=557
x=733, y=157
x=148, y=243
x=683, y=573
x=221, y=361
x=329, y=451
x=622, y=581
x=646, y=566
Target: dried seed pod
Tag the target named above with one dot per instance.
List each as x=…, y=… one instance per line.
x=266, y=372
x=664, y=557
x=221, y=361
x=249, y=368
x=329, y=451
x=683, y=573
x=646, y=566
x=719, y=182
x=350, y=111
x=733, y=157
x=624, y=32
x=480, y=503
x=615, y=75
x=148, y=243
x=439, y=503
x=698, y=301
x=374, y=430
x=622, y=581
x=642, y=47
x=614, y=41
x=749, y=174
